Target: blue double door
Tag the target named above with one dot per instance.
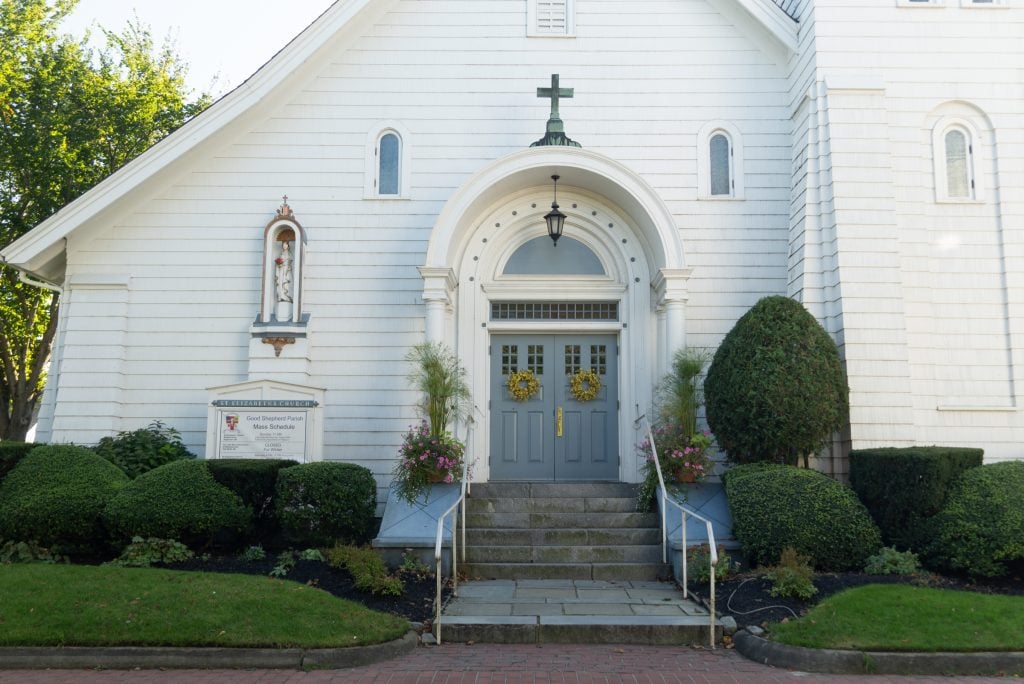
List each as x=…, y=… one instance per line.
x=554, y=434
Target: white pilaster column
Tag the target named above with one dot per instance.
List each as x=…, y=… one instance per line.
x=671, y=295
x=438, y=297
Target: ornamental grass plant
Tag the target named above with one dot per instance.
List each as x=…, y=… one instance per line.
x=430, y=454
x=682, y=448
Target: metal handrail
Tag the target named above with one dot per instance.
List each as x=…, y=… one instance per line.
x=684, y=511
x=439, y=536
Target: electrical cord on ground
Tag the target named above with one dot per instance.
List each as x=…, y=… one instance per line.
x=728, y=603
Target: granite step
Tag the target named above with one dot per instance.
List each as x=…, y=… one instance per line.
x=574, y=611
x=563, y=536
x=649, y=571
x=501, y=519
x=619, y=553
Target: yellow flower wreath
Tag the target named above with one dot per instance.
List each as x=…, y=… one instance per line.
x=585, y=385
x=523, y=384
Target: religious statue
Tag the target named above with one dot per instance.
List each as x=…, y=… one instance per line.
x=283, y=273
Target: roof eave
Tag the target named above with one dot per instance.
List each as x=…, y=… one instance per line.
x=29, y=248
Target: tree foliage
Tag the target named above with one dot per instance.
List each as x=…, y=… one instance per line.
x=69, y=117
x=775, y=390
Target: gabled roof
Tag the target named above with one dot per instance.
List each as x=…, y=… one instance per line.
x=41, y=251
x=788, y=6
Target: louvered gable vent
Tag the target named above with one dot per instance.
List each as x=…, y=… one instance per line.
x=552, y=16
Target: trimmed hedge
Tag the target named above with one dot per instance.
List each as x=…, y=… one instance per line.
x=903, y=488
x=255, y=483
x=179, y=501
x=775, y=506
x=142, y=450
x=775, y=390
x=55, y=497
x=319, y=504
x=980, y=531
x=11, y=454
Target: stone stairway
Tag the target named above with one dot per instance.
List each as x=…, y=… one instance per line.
x=567, y=563
x=566, y=531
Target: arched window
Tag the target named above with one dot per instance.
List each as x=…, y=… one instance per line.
x=959, y=152
x=955, y=150
x=721, y=153
x=720, y=162
x=389, y=163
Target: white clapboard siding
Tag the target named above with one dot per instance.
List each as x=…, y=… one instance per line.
x=831, y=182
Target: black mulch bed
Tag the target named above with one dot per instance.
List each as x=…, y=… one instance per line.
x=747, y=597
x=415, y=604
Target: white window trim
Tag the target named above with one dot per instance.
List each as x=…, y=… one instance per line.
x=373, y=168
x=974, y=160
x=704, y=160
x=926, y=3
x=532, y=30
x=995, y=4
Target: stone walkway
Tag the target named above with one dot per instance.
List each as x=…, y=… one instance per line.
x=501, y=664
x=570, y=597
x=576, y=611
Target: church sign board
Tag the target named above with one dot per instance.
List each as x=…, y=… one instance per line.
x=245, y=421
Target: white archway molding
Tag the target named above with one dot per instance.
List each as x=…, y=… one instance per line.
x=612, y=212
x=596, y=173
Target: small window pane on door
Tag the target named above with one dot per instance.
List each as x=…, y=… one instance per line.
x=599, y=359
x=572, y=359
x=509, y=359
x=535, y=358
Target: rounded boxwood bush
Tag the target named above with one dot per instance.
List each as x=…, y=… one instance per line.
x=778, y=506
x=980, y=531
x=775, y=389
x=319, y=504
x=142, y=450
x=55, y=496
x=179, y=501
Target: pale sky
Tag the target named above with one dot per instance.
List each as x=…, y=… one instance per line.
x=232, y=38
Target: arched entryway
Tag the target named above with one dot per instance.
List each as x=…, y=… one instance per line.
x=611, y=297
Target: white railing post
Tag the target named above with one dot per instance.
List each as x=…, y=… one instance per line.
x=683, y=511
x=682, y=550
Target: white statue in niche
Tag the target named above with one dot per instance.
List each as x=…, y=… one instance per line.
x=283, y=282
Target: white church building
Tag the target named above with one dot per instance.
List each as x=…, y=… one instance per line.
x=865, y=157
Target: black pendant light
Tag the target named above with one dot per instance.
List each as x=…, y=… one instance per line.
x=554, y=218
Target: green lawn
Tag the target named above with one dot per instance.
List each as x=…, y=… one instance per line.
x=897, y=617
x=74, y=605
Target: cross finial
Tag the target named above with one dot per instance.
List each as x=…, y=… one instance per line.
x=285, y=210
x=556, y=129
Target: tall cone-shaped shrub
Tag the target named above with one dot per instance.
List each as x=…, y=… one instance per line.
x=775, y=390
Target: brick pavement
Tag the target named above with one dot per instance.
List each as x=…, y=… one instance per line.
x=499, y=664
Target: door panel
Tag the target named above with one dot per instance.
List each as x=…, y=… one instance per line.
x=525, y=439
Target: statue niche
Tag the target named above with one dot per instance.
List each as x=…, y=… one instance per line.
x=283, y=251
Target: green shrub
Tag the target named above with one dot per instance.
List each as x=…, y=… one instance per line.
x=321, y=503
x=889, y=561
x=55, y=497
x=253, y=553
x=369, y=572
x=698, y=564
x=28, y=552
x=142, y=450
x=792, y=577
x=142, y=553
x=255, y=483
x=775, y=390
x=980, y=532
x=779, y=506
x=180, y=500
x=11, y=454
x=903, y=488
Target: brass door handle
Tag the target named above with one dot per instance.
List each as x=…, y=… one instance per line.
x=558, y=422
